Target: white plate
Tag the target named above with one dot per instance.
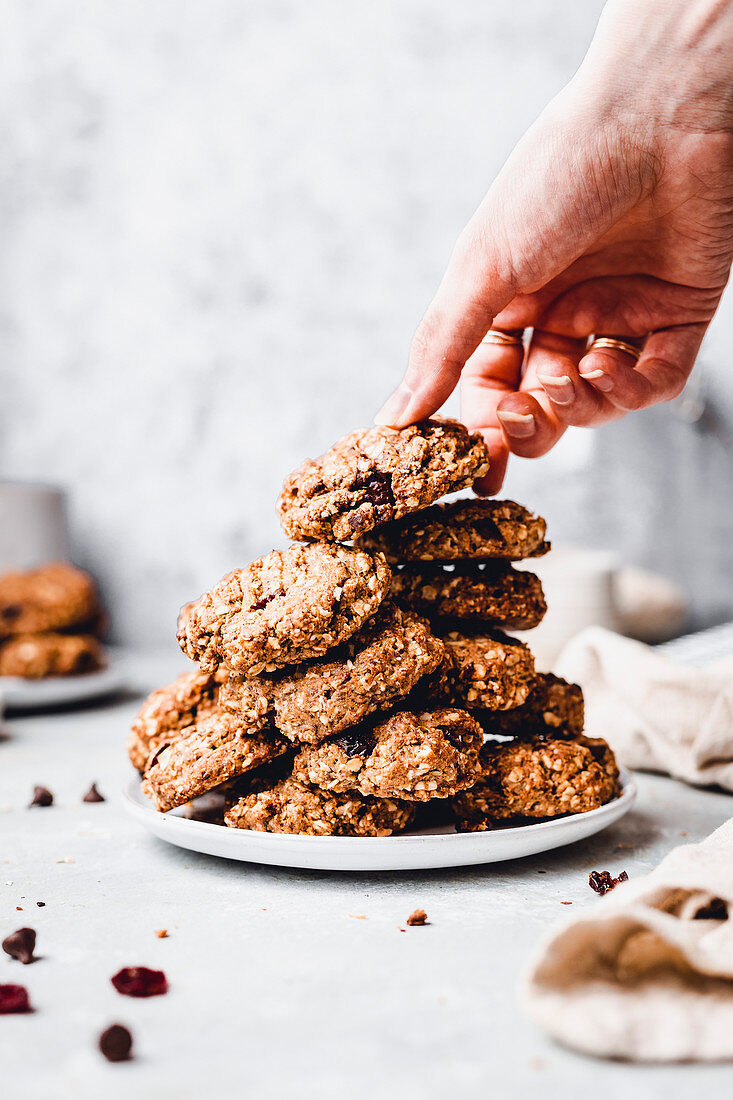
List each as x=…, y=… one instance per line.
x=410, y=852
x=56, y=691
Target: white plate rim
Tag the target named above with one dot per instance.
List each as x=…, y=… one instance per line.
x=377, y=853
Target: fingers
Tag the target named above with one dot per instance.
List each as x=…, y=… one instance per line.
x=552, y=366
x=660, y=374
x=492, y=372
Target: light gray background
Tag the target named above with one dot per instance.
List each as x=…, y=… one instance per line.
x=220, y=222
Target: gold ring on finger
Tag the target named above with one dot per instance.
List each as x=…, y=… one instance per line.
x=513, y=338
x=612, y=344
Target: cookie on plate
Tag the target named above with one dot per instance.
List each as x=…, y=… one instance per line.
x=536, y=779
x=194, y=695
x=291, y=807
x=287, y=607
x=491, y=592
x=462, y=530
x=487, y=670
x=53, y=597
x=379, y=474
x=408, y=756
x=553, y=708
x=36, y=656
x=211, y=752
x=372, y=671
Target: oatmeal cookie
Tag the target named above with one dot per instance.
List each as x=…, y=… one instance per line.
x=553, y=708
x=36, y=656
x=54, y=597
x=408, y=756
x=212, y=751
x=291, y=807
x=489, y=671
x=370, y=672
x=193, y=696
x=536, y=779
x=287, y=607
x=379, y=474
x=493, y=592
x=462, y=530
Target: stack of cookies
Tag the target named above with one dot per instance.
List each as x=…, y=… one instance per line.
x=359, y=682
x=50, y=621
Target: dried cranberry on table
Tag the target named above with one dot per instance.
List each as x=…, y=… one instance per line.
x=602, y=881
x=140, y=981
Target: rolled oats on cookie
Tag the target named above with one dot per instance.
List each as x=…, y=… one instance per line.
x=291, y=807
x=379, y=474
x=372, y=671
x=553, y=708
x=536, y=779
x=481, y=670
x=287, y=607
x=490, y=593
x=461, y=530
x=411, y=756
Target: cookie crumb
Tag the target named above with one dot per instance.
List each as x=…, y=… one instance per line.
x=417, y=917
x=357, y=916
x=602, y=881
x=41, y=797
x=566, y=903
x=161, y=933
x=115, y=1043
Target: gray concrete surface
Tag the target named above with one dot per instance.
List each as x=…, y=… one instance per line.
x=277, y=990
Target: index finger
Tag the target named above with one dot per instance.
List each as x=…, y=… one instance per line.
x=493, y=371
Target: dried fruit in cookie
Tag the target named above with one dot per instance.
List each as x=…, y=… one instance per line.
x=411, y=756
x=373, y=670
x=462, y=530
x=534, y=779
x=292, y=807
x=378, y=474
x=53, y=597
x=492, y=593
x=287, y=607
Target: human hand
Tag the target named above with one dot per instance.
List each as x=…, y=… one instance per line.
x=613, y=216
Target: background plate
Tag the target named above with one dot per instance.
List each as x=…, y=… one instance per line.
x=57, y=691
x=411, y=852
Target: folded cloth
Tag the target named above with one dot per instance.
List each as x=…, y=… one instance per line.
x=648, y=973
x=655, y=713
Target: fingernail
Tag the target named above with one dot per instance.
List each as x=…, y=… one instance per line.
x=560, y=388
x=520, y=425
x=393, y=407
x=600, y=380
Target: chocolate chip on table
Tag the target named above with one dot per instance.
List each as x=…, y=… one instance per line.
x=115, y=1043
x=417, y=917
x=41, y=904
x=14, y=998
x=140, y=981
x=93, y=795
x=602, y=881
x=716, y=909
x=20, y=945
x=41, y=797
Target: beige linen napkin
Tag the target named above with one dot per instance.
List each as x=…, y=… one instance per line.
x=648, y=973
x=655, y=713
